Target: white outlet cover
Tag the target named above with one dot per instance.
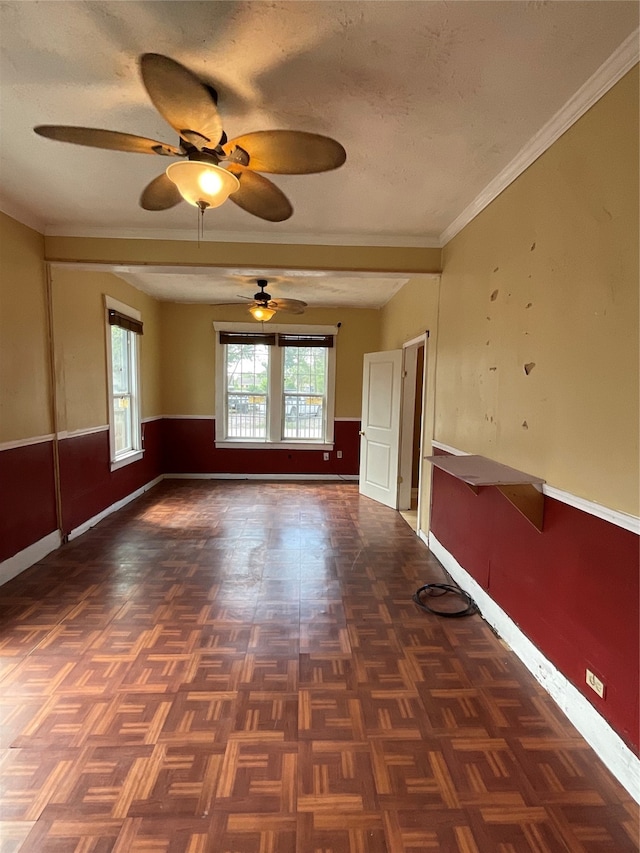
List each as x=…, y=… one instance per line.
x=594, y=683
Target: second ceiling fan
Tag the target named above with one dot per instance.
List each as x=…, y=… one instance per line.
x=262, y=307
x=212, y=168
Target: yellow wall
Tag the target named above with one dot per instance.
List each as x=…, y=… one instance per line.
x=188, y=353
x=25, y=408
x=177, y=348
x=547, y=275
x=188, y=359
x=264, y=255
x=410, y=313
x=80, y=346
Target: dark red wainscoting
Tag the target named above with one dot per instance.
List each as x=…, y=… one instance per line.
x=189, y=449
x=27, y=497
x=173, y=446
x=87, y=483
x=572, y=589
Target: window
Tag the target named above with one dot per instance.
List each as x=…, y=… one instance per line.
x=247, y=389
x=123, y=328
x=304, y=370
x=275, y=387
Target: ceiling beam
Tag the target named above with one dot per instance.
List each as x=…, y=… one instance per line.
x=100, y=250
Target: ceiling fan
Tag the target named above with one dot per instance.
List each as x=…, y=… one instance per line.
x=212, y=167
x=263, y=307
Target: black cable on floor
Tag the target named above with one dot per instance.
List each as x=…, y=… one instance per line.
x=435, y=590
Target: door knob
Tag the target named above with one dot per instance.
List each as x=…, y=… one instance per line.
x=361, y=432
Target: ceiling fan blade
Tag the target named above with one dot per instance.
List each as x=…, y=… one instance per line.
x=288, y=306
x=229, y=304
x=182, y=99
x=160, y=194
x=257, y=195
x=109, y=139
x=289, y=152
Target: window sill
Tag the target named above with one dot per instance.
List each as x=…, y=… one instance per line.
x=126, y=459
x=273, y=445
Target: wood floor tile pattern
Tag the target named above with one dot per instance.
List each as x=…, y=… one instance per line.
x=239, y=668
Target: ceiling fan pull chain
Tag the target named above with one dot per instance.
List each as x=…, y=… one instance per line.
x=200, y=224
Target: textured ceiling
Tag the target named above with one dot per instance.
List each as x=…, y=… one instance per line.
x=431, y=100
x=317, y=288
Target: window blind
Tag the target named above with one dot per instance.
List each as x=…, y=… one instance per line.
x=268, y=340
x=124, y=322
x=286, y=340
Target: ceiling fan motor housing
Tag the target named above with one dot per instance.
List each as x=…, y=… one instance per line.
x=262, y=295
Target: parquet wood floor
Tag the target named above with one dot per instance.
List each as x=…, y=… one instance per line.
x=239, y=668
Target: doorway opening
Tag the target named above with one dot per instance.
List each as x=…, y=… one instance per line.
x=394, y=387
x=411, y=431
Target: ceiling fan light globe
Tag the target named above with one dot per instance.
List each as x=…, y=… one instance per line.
x=202, y=184
x=210, y=182
x=258, y=312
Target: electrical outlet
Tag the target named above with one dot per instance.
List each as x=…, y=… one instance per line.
x=339, y=454
x=595, y=684
x=326, y=457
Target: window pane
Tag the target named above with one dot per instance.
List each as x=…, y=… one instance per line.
x=303, y=416
x=122, y=423
x=124, y=418
x=247, y=368
x=120, y=360
x=305, y=370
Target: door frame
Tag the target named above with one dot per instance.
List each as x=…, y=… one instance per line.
x=411, y=367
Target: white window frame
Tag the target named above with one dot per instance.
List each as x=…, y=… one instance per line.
x=276, y=389
x=119, y=460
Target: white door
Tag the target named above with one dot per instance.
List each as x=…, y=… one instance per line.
x=380, y=432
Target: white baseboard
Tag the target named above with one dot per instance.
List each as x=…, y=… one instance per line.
x=334, y=477
x=610, y=748
x=28, y=556
x=91, y=522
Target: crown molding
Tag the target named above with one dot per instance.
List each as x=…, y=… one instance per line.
x=613, y=69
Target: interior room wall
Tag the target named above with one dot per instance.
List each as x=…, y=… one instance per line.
x=178, y=380
x=545, y=280
x=25, y=407
x=188, y=353
x=28, y=501
x=188, y=370
x=412, y=312
x=264, y=256
x=87, y=484
x=537, y=367
x=80, y=345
